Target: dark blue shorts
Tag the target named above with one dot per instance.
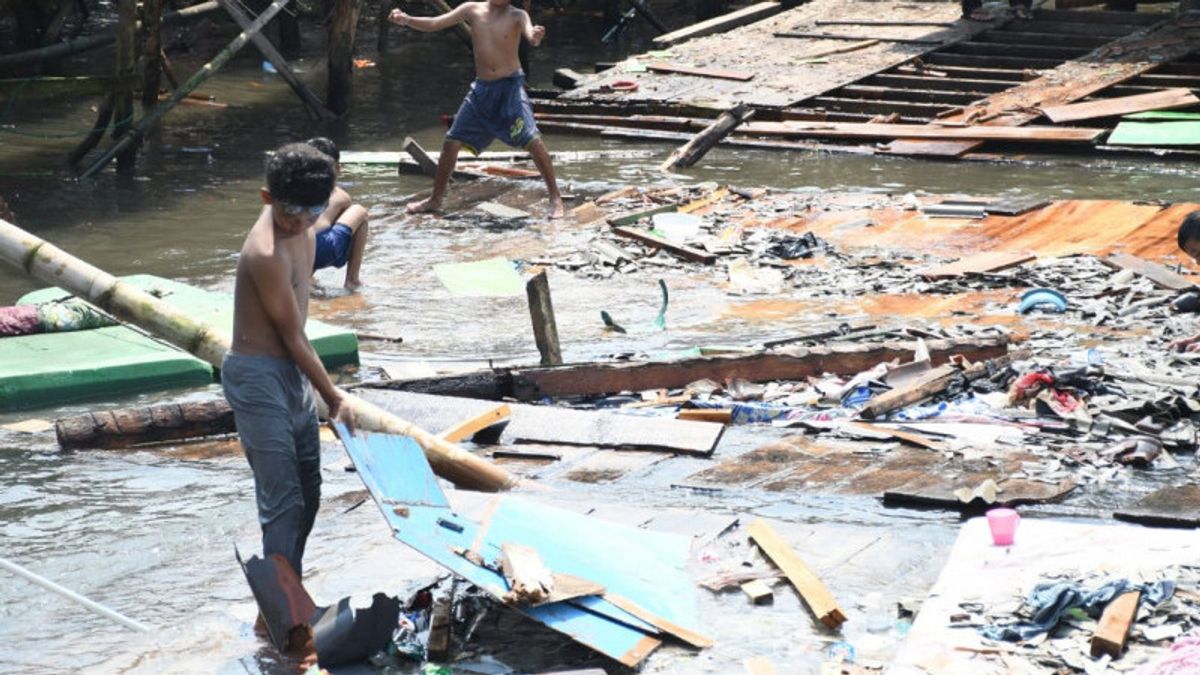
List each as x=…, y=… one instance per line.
x=333, y=247
x=495, y=109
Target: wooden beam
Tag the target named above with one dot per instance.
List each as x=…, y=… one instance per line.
x=988, y=261
x=1026, y=134
x=422, y=158
x=469, y=427
x=818, y=598
x=1167, y=99
x=675, y=69
x=1157, y=274
x=758, y=592
x=940, y=83
x=149, y=424
x=720, y=24
x=932, y=383
x=716, y=415
x=885, y=22
x=679, y=250
x=528, y=579
x=1113, y=628
x=862, y=38
x=541, y=314
x=699, y=145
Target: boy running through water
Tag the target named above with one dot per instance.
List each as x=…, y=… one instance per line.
x=341, y=230
x=496, y=105
x=269, y=373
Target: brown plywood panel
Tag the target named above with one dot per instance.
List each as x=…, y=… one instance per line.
x=1167, y=99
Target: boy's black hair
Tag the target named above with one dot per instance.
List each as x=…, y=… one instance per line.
x=326, y=146
x=1189, y=229
x=299, y=174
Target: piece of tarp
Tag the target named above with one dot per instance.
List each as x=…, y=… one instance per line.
x=494, y=277
x=1050, y=601
x=1162, y=128
x=643, y=573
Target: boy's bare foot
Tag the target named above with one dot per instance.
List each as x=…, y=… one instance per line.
x=424, y=206
x=556, y=210
x=353, y=286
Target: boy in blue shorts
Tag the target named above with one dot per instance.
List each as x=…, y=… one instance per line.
x=496, y=106
x=341, y=230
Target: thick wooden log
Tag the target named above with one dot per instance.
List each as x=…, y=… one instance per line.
x=541, y=314
x=341, y=54
x=50, y=264
x=181, y=93
x=701, y=143
x=316, y=109
x=152, y=424
x=588, y=379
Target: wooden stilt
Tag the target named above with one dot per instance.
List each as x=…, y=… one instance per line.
x=341, y=54
x=383, y=26
x=152, y=64
x=194, y=81
x=125, y=64
x=316, y=109
x=102, y=119
x=541, y=312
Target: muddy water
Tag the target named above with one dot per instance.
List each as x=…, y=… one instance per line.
x=151, y=533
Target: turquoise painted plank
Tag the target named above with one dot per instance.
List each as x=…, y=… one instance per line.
x=395, y=471
x=1156, y=133
x=1163, y=115
x=494, y=277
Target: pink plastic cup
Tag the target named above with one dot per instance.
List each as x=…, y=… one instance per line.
x=1003, y=523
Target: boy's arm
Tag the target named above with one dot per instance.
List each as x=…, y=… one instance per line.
x=431, y=24
x=279, y=302
x=533, y=34
x=339, y=201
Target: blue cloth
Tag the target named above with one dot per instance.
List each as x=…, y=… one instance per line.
x=333, y=247
x=1051, y=601
x=495, y=109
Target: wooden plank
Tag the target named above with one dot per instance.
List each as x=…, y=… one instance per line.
x=988, y=261
x=675, y=69
x=818, y=598
x=528, y=579
x=873, y=39
x=1113, y=628
x=716, y=415
x=720, y=24
x=758, y=592
x=971, y=134
x=422, y=158
x=1168, y=99
x=1157, y=274
x=541, y=315
x=863, y=44
x=759, y=665
x=931, y=490
x=691, y=637
x=931, y=383
x=586, y=379
x=699, y=145
x=469, y=427
x=554, y=425
x=941, y=83
x=679, y=250
x=1037, y=51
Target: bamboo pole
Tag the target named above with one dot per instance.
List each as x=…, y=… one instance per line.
x=74, y=597
x=50, y=264
x=194, y=81
x=316, y=109
x=96, y=41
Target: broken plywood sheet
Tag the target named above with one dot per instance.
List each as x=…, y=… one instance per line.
x=606, y=466
x=782, y=78
x=939, y=491
x=1042, y=549
x=989, y=261
x=1157, y=274
x=549, y=424
x=1177, y=506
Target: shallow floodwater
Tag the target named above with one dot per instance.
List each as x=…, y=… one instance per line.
x=151, y=533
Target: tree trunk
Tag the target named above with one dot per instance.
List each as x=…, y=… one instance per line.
x=125, y=66
x=152, y=39
x=341, y=54
x=46, y=262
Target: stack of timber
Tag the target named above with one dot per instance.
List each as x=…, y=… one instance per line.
x=920, y=83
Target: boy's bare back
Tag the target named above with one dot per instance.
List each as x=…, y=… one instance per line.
x=271, y=263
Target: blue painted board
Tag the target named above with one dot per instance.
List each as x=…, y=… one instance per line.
x=395, y=471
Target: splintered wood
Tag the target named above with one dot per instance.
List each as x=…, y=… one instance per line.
x=528, y=579
x=808, y=585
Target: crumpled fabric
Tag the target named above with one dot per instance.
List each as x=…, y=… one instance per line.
x=1028, y=385
x=1051, y=601
x=1183, y=659
x=19, y=320
x=69, y=315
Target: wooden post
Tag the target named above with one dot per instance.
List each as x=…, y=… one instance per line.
x=701, y=143
x=341, y=54
x=50, y=264
x=541, y=312
x=103, y=116
x=194, y=81
x=316, y=109
x=152, y=11
x=125, y=63
x=383, y=26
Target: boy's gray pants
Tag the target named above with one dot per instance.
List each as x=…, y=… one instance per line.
x=276, y=417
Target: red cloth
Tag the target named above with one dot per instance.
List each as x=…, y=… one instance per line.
x=19, y=320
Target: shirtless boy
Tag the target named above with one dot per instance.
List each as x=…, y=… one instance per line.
x=341, y=229
x=267, y=373
x=496, y=106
